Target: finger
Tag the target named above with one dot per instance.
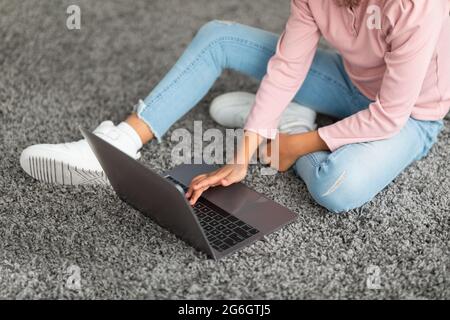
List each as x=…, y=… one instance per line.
x=193, y=182
x=197, y=194
x=199, y=178
x=225, y=182
x=213, y=179
x=191, y=190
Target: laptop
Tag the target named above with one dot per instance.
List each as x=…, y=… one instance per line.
x=223, y=221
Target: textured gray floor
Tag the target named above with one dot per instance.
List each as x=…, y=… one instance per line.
x=52, y=80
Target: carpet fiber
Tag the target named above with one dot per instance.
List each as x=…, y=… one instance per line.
x=53, y=79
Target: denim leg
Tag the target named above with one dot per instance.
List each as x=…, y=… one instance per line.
x=328, y=89
x=221, y=45
x=218, y=45
x=354, y=174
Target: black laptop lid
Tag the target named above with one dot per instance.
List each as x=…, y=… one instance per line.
x=149, y=193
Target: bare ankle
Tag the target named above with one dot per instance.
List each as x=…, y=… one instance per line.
x=142, y=129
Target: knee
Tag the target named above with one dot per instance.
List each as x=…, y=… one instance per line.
x=213, y=31
x=339, y=189
x=209, y=43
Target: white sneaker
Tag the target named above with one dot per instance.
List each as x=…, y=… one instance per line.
x=75, y=163
x=232, y=109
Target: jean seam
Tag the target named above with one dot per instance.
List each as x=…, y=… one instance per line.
x=314, y=160
x=197, y=59
x=328, y=78
x=427, y=138
x=350, y=88
x=357, y=97
x=334, y=155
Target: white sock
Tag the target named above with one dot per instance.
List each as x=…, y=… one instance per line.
x=130, y=132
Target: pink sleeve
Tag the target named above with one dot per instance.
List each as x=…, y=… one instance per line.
x=286, y=70
x=413, y=34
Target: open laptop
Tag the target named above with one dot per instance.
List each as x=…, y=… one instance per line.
x=223, y=221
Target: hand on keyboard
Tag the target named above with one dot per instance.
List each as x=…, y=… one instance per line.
x=225, y=176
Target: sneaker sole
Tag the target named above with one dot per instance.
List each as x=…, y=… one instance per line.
x=52, y=171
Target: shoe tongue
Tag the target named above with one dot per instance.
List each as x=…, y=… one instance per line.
x=108, y=131
x=111, y=134
x=104, y=127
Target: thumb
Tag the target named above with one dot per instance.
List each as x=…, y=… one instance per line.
x=226, y=182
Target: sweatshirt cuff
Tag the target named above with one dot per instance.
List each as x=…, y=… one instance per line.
x=327, y=137
x=265, y=133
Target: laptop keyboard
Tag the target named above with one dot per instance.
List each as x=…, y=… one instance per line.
x=222, y=229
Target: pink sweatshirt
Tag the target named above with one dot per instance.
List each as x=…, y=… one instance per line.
x=404, y=66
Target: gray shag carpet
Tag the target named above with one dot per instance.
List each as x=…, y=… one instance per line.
x=53, y=80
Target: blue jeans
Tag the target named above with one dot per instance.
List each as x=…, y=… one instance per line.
x=339, y=181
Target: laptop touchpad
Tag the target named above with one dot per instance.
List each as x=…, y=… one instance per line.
x=237, y=199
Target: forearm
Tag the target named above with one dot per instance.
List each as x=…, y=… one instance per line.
x=305, y=143
x=298, y=145
x=248, y=147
